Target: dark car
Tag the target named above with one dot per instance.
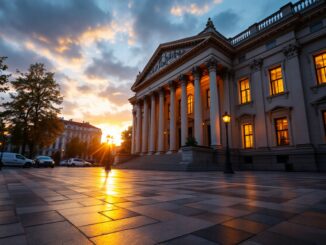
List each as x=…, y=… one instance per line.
x=44, y=161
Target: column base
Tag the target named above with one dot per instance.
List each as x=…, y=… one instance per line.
x=171, y=152
x=151, y=153
x=160, y=153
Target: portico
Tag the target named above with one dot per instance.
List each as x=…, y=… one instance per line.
x=180, y=108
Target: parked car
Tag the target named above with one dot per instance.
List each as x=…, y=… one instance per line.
x=15, y=159
x=78, y=162
x=44, y=161
x=63, y=162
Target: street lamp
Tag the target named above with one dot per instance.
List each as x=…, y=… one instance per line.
x=228, y=166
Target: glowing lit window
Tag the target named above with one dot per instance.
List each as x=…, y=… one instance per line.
x=320, y=65
x=208, y=98
x=190, y=104
x=282, y=131
x=276, y=80
x=244, y=86
x=248, y=137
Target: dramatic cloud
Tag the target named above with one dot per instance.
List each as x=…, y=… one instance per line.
x=227, y=22
x=109, y=66
x=53, y=24
x=118, y=95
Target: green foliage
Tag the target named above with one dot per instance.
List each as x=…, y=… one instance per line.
x=33, y=109
x=75, y=147
x=3, y=77
x=126, y=140
x=191, y=141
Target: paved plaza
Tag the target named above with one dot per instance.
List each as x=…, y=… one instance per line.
x=82, y=206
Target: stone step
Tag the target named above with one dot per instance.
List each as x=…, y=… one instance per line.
x=164, y=162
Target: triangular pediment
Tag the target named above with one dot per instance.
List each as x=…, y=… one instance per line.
x=166, y=54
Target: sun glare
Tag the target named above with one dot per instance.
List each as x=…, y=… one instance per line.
x=113, y=131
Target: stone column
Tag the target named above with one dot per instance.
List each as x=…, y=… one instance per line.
x=214, y=108
x=145, y=127
x=261, y=134
x=133, y=134
x=198, y=127
x=299, y=114
x=138, y=129
x=184, y=119
x=153, y=125
x=160, y=147
x=173, y=147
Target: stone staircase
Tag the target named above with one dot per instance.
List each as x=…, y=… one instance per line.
x=164, y=162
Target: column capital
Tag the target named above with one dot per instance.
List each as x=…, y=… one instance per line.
x=256, y=64
x=183, y=79
x=211, y=64
x=291, y=50
x=196, y=72
x=161, y=90
x=172, y=84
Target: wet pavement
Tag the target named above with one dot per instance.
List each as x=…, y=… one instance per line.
x=84, y=206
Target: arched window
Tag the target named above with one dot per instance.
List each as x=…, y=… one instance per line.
x=190, y=103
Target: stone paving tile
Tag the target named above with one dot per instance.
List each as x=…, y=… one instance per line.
x=14, y=240
x=214, y=218
x=314, y=219
x=223, y=235
x=87, y=219
x=11, y=230
x=55, y=233
x=246, y=225
x=151, y=207
x=301, y=232
x=83, y=210
x=117, y=225
x=119, y=214
x=31, y=219
x=189, y=240
x=262, y=218
x=270, y=238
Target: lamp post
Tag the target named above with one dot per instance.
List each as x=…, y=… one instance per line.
x=228, y=166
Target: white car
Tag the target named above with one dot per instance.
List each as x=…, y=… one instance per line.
x=63, y=162
x=78, y=162
x=15, y=159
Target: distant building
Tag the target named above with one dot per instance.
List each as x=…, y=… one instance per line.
x=271, y=78
x=84, y=131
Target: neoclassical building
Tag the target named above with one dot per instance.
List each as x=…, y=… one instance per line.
x=271, y=79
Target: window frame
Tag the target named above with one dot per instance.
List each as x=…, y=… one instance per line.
x=244, y=136
x=315, y=67
x=246, y=90
x=282, y=130
x=271, y=82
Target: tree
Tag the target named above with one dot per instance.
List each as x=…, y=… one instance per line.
x=126, y=140
x=33, y=110
x=75, y=147
x=3, y=77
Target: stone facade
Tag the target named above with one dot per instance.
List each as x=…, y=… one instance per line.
x=270, y=79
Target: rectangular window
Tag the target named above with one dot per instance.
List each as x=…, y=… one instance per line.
x=248, y=138
x=190, y=103
x=208, y=98
x=276, y=79
x=320, y=66
x=282, y=131
x=244, y=86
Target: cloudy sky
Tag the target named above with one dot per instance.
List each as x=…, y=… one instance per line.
x=96, y=47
